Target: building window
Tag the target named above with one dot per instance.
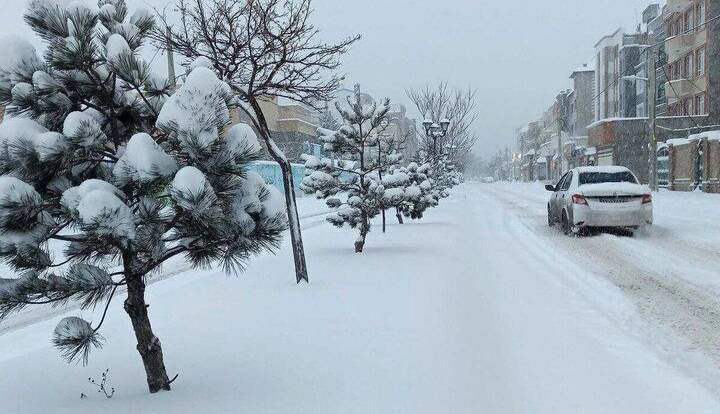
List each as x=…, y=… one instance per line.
x=686, y=67
x=700, y=61
x=687, y=21
x=700, y=105
x=700, y=14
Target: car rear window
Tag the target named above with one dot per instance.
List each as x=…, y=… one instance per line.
x=605, y=177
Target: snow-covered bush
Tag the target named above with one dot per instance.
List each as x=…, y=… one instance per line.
x=99, y=155
x=350, y=182
x=420, y=192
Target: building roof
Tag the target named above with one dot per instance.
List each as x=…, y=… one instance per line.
x=610, y=36
x=582, y=69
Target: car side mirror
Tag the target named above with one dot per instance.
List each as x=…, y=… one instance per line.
x=550, y=187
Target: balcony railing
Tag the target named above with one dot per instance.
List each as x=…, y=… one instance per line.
x=677, y=6
x=682, y=88
x=678, y=46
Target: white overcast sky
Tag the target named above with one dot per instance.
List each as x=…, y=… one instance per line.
x=518, y=54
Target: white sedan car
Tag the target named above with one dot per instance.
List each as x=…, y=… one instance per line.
x=599, y=197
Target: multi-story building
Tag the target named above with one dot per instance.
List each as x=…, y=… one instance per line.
x=293, y=125
x=581, y=112
x=616, y=55
x=606, y=71
x=692, y=68
x=655, y=36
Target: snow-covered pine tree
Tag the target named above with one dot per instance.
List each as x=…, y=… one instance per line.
x=389, y=156
x=420, y=192
x=396, y=184
x=353, y=171
x=104, y=175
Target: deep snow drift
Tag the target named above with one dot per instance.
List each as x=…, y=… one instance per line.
x=474, y=309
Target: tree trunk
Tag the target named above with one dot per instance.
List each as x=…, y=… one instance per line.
x=383, y=219
x=364, y=228
x=148, y=345
x=399, y=216
x=301, y=272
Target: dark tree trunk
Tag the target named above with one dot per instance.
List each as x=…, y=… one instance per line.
x=399, y=216
x=364, y=228
x=383, y=219
x=148, y=345
x=301, y=271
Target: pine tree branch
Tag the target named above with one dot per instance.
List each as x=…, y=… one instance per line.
x=107, y=306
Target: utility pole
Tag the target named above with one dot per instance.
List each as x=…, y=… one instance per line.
x=651, y=97
x=561, y=102
x=170, y=59
x=560, y=149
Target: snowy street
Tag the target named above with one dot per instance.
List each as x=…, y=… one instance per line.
x=478, y=308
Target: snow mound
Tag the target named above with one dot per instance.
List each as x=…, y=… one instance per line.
x=200, y=101
x=71, y=197
x=608, y=189
x=189, y=180
x=413, y=192
x=393, y=195
x=274, y=204
x=13, y=130
x=242, y=138
x=200, y=62
x=395, y=179
x=44, y=82
x=108, y=213
x=49, y=144
x=14, y=190
x=116, y=47
x=143, y=161
x=83, y=127
x=108, y=11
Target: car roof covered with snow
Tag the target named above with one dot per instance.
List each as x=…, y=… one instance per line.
x=602, y=169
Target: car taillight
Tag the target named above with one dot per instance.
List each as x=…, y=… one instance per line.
x=579, y=199
x=646, y=199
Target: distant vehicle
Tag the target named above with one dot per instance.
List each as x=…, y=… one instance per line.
x=599, y=197
x=488, y=180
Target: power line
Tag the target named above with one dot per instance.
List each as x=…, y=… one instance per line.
x=626, y=72
x=644, y=51
x=676, y=94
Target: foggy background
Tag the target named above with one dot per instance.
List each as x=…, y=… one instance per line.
x=517, y=54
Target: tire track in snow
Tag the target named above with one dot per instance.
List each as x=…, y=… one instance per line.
x=660, y=291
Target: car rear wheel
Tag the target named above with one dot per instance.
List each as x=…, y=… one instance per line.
x=568, y=228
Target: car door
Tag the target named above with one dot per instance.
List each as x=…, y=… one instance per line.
x=564, y=193
x=555, y=203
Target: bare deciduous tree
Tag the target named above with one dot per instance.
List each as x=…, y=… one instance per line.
x=261, y=48
x=458, y=105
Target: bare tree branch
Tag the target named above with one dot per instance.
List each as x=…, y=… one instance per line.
x=458, y=105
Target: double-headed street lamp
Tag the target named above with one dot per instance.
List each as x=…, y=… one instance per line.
x=434, y=131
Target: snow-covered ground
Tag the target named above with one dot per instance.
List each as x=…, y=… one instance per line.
x=478, y=308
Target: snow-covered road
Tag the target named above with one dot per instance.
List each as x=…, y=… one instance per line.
x=479, y=308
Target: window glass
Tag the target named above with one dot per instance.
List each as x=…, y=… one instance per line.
x=604, y=177
x=700, y=62
x=567, y=181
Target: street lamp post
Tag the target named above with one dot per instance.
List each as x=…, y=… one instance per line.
x=434, y=130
